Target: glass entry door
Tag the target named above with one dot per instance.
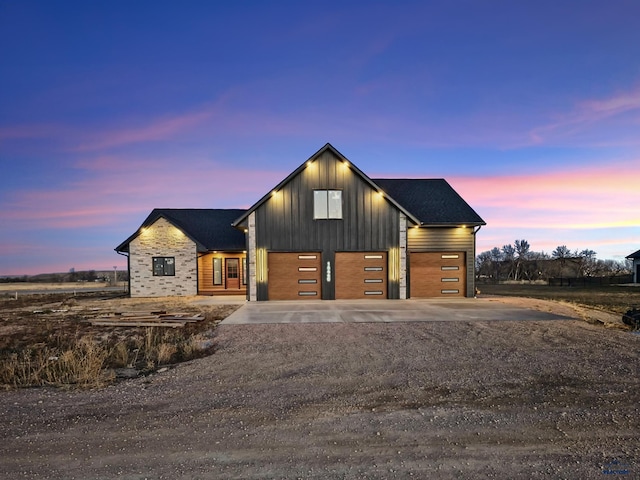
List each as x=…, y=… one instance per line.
x=233, y=273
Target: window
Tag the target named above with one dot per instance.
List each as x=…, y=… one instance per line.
x=232, y=268
x=217, y=271
x=164, y=266
x=327, y=204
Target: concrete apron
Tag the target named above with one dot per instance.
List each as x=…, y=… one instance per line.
x=369, y=311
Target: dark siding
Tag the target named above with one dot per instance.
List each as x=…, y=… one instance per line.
x=445, y=239
x=285, y=222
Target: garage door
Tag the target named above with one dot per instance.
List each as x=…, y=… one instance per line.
x=437, y=274
x=294, y=276
x=361, y=275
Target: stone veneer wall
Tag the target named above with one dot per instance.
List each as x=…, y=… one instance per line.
x=162, y=239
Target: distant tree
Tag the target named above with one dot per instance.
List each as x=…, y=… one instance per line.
x=628, y=265
x=587, y=263
x=496, y=259
x=612, y=267
x=509, y=255
x=484, y=265
x=561, y=254
x=522, y=248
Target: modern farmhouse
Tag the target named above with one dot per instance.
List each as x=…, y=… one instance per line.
x=327, y=231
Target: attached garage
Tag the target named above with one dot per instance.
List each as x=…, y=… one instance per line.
x=362, y=231
x=361, y=275
x=437, y=274
x=294, y=276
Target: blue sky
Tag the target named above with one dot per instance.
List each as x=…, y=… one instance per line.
x=530, y=109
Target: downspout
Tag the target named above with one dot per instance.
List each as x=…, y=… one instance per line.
x=128, y=272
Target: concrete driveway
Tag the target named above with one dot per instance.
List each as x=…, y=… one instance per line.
x=363, y=311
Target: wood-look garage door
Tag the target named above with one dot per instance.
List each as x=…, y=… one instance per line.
x=437, y=274
x=361, y=275
x=294, y=276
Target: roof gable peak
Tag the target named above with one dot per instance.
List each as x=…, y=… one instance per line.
x=340, y=158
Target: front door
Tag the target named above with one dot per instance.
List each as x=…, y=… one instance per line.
x=233, y=273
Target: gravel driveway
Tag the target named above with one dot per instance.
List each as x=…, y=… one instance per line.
x=466, y=399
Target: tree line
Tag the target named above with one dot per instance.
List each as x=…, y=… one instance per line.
x=519, y=262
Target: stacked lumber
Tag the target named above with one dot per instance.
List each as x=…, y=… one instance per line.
x=143, y=319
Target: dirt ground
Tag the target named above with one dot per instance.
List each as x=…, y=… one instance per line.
x=511, y=399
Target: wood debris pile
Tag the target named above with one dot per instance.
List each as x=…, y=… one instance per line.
x=143, y=319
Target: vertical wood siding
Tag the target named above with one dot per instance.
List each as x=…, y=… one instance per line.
x=445, y=239
x=285, y=222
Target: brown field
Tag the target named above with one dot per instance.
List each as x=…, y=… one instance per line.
x=614, y=299
x=10, y=288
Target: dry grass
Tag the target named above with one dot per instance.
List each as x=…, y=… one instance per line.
x=55, y=346
x=82, y=365
x=613, y=299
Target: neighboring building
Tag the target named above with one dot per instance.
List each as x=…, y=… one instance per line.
x=186, y=252
x=635, y=258
x=327, y=231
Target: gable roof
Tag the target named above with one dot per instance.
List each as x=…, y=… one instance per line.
x=431, y=201
x=342, y=158
x=634, y=255
x=210, y=229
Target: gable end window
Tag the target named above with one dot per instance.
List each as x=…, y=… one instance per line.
x=164, y=266
x=327, y=204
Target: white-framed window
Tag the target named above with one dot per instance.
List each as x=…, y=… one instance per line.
x=217, y=271
x=164, y=266
x=327, y=204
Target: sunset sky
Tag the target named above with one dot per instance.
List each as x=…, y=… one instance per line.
x=530, y=109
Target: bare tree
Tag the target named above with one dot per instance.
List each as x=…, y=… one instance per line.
x=484, y=265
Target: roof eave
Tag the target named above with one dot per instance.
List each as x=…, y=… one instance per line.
x=452, y=224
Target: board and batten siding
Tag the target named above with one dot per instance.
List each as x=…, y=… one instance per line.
x=285, y=223
x=443, y=239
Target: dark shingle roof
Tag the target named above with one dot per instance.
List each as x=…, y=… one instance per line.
x=210, y=228
x=432, y=201
x=634, y=255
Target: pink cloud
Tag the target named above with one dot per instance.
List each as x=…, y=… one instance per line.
x=590, y=114
x=113, y=188
x=595, y=208
x=161, y=129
